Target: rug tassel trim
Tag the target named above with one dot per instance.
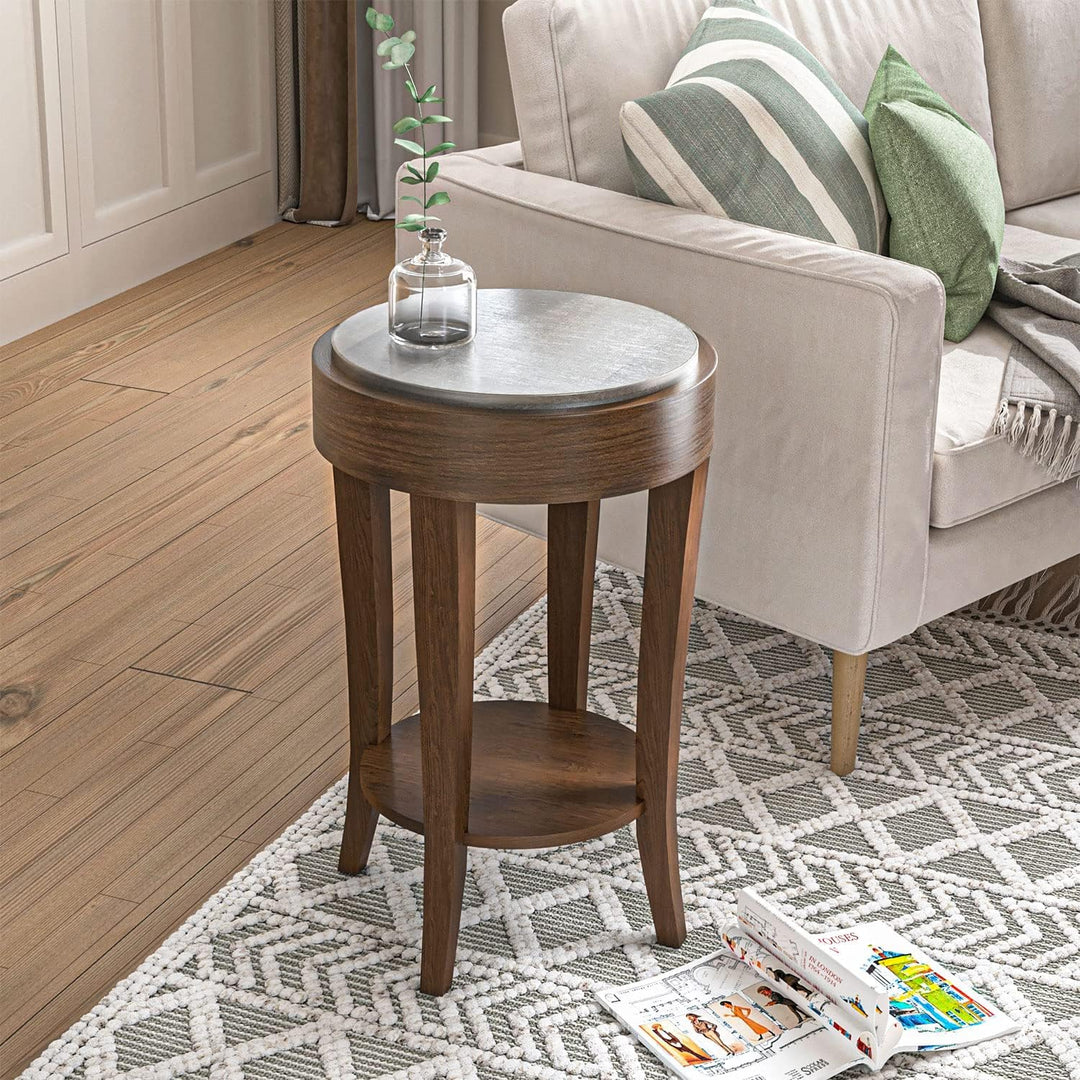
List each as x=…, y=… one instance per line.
x=1044, y=437
x=1060, y=612
x=1063, y=609
x=1015, y=600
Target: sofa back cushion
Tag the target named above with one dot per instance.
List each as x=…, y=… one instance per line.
x=1033, y=58
x=574, y=62
x=941, y=39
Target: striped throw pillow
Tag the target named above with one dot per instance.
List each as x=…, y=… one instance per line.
x=752, y=127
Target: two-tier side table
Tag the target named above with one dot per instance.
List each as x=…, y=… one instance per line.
x=562, y=399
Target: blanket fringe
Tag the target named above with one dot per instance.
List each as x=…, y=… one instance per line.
x=1017, y=429
x=1001, y=424
x=1032, y=432
x=1046, y=438
x=1045, y=453
x=1072, y=462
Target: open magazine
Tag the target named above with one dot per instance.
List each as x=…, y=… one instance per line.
x=780, y=1002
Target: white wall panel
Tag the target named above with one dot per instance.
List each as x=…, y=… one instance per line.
x=230, y=65
x=33, y=218
x=126, y=105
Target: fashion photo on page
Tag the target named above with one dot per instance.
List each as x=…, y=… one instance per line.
x=781, y=1002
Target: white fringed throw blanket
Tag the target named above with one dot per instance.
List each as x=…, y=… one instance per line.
x=1039, y=305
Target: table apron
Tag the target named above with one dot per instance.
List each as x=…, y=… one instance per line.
x=501, y=456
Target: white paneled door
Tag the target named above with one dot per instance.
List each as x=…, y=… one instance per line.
x=136, y=134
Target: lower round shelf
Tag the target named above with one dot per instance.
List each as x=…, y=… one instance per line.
x=540, y=776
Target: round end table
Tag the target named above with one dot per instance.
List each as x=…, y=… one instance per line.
x=562, y=399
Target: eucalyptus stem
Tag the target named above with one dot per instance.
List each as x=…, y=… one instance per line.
x=399, y=50
x=423, y=134
x=423, y=143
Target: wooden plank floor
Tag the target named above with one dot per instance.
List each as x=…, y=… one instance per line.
x=173, y=680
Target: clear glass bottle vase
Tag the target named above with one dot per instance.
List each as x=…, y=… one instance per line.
x=432, y=297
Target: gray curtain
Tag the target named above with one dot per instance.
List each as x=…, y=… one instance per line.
x=336, y=104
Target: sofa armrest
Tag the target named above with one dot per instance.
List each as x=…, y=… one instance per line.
x=818, y=509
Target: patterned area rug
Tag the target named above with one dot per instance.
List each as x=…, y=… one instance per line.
x=961, y=827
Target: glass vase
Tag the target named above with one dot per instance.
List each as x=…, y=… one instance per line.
x=432, y=297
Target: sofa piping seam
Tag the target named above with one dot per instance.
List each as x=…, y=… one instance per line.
x=560, y=85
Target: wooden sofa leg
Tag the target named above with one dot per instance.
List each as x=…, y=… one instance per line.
x=849, y=676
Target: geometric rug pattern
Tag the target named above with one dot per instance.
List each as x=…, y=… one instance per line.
x=960, y=827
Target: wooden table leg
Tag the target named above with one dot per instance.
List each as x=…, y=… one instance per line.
x=670, y=568
x=571, y=564
x=444, y=587
x=363, y=530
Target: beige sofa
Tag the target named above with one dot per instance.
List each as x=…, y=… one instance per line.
x=856, y=490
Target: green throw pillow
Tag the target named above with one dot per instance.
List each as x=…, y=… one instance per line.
x=941, y=187
x=752, y=127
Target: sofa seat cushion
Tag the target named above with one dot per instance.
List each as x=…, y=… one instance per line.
x=975, y=471
x=1060, y=217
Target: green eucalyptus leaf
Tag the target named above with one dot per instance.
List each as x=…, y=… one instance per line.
x=371, y=15
x=412, y=147
x=391, y=66
x=409, y=37
x=440, y=198
x=415, y=222
x=411, y=87
x=440, y=149
x=437, y=119
x=412, y=198
x=384, y=46
x=415, y=171
x=406, y=123
x=432, y=171
x=384, y=23
x=429, y=96
x=410, y=180
x=402, y=52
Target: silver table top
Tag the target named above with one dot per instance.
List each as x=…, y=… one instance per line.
x=533, y=350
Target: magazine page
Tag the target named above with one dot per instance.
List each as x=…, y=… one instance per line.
x=935, y=1010
x=717, y=1016
x=795, y=961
